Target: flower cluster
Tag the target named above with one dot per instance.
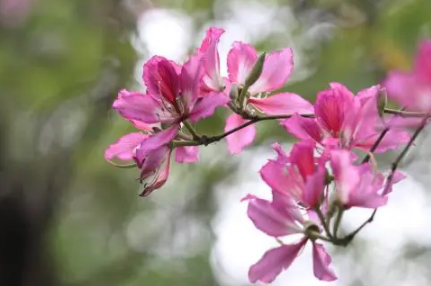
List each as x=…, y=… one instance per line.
x=330, y=170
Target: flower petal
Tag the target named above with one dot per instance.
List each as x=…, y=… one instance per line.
x=211, y=60
x=346, y=175
x=282, y=103
x=398, y=176
x=302, y=157
x=321, y=262
x=123, y=149
x=276, y=70
x=330, y=108
x=239, y=140
x=423, y=62
x=273, y=219
x=314, y=187
x=240, y=61
x=187, y=154
x=275, y=175
x=282, y=157
x=159, y=180
x=161, y=78
x=191, y=74
x=140, y=107
x=303, y=128
x=153, y=161
x=156, y=141
x=274, y=261
x=206, y=105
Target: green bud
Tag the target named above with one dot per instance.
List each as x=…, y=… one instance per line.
x=233, y=93
x=256, y=71
x=382, y=101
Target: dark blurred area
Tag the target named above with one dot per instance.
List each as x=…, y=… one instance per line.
x=67, y=217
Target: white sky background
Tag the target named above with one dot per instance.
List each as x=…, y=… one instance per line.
x=239, y=244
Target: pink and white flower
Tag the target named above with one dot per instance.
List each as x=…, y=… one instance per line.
x=277, y=220
x=172, y=94
x=277, y=69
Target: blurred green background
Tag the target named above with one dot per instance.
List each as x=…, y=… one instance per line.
x=67, y=217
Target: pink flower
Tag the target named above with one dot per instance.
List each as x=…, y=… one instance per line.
x=276, y=220
x=345, y=120
x=412, y=90
x=172, y=94
x=276, y=70
x=302, y=177
x=358, y=185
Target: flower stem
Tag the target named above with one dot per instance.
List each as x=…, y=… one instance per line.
x=191, y=129
x=323, y=221
x=337, y=221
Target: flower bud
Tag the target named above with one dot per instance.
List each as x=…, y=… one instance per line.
x=382, y=101
x=233, y=93
x=256, y=71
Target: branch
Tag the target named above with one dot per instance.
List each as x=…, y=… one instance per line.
x=206, y=140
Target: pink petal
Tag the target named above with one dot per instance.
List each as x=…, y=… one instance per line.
x=346, y=175
x=240, y=60
x=140, y=107
x=282, y=104
x=239, y=140
x=191, y=74
x=156, y=141
x=153, y=161
x=275, y=175
x=369, y=93
x=342, y=91
x=303, y=128
x=159, y=180
x=142, y=125
x=282, y=157
x=209, y=52
x=276, y=70
x=274, y=261
x=206, y=105
x=272, y=219
x=124, y=147
x=408, y=91
x=393, y=139
x=365, y=194
x=302, y=157
x=187, y=154
x=321, y=262
x=161, y=78
x=398, y=176
x=423, y=62
x=314, y=187
x=330, y=109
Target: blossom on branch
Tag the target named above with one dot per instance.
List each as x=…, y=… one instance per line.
x=276, y=70
x=344, y=120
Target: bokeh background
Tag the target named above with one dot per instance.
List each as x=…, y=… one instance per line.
x=67, y=217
